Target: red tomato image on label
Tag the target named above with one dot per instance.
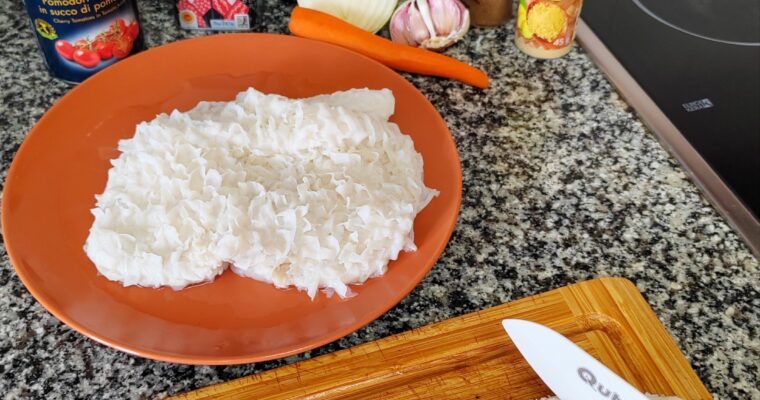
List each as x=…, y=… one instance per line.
x=104, y=50
x=116, y=42
x=65, y=49
x=82, y=44
x=133, y=30
x=122, y=47
x=122, y=26
x=86, y=58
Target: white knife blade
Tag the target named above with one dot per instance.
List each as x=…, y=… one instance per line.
x=570, y=372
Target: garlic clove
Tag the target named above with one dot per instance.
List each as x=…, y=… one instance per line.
x=454, y=11
x=407, y=25
x=417, y=30
x=445, y=16
x=424, y=8
x=399, y=22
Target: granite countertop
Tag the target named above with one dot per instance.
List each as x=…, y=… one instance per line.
x=562, y=183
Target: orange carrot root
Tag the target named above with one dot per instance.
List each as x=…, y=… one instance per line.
x=317, y=25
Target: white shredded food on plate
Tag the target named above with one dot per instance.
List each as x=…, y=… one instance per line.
x=312, y=193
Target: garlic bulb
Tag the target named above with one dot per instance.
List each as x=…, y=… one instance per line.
x=430, y=24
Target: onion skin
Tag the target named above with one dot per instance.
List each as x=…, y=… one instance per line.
x=368, y=15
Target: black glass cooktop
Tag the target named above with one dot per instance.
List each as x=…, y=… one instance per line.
x=699, y=61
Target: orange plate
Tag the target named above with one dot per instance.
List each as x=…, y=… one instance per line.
x=64, y=162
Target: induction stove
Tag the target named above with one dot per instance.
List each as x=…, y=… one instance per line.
x=691, y=70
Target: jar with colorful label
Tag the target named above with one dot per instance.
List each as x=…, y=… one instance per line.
x=80, y=37
x=546, y=28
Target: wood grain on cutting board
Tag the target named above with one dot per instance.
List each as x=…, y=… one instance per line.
x=472, y=357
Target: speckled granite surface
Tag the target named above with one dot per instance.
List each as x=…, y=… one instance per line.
x=562, y=183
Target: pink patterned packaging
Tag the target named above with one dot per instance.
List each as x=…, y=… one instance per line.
x=219, y=15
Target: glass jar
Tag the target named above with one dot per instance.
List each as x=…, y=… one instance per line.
x=546, y=28
x=489, y=12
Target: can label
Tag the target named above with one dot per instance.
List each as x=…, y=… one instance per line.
x=220, y=15
x=80, y=37
x=547, y=24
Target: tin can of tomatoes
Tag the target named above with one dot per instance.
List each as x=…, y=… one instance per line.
x=78, y=38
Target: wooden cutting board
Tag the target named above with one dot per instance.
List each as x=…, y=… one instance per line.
x=471, y=357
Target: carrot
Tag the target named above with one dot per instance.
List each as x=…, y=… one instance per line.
x=313, y=24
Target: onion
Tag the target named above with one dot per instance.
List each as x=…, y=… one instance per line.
x=368, y=15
